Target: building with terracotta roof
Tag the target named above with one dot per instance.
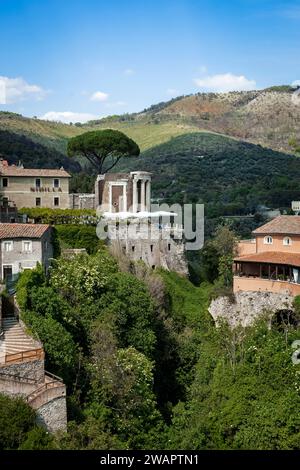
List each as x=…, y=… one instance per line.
x=271, y=260
x=26, y=187
x=22, y=246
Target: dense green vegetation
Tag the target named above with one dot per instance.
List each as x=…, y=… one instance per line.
x=74, y=236
x=231, y=177
x=145, y=366
x=98, y=147
x=18, y=429
x=45, y=215
x=17, y=147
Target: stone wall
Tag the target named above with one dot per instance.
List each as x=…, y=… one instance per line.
x=13, y=387
x=30, y=370
x=167, y=254
x=53, y=415
x=81, y=201
x=243, y=308
x=22, y=192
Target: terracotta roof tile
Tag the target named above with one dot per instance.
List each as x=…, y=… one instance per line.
x=22, y=230
x=285, y=224
x=18, y=171
x=275, y=257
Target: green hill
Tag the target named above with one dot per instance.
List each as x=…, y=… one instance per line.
x=220, y=149
x=229, y=176
x=18, y=147
x=267, y=117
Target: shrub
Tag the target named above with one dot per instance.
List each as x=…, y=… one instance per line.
x=16, y=419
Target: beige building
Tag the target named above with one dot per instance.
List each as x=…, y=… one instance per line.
x=26, y=187
x=270, y=262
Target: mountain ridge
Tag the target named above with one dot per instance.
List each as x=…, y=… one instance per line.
x=268, y=117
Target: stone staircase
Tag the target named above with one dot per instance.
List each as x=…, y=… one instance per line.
x=22, y=371
x=14, y=339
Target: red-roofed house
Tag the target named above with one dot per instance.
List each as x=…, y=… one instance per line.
x=22, y=246
x=26, y=187
x=271, y=261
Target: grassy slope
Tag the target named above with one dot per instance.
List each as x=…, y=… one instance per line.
x=56, y=135
x=148, y=134
x=266, y=117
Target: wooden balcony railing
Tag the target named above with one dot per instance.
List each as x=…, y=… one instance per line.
x=22, y=356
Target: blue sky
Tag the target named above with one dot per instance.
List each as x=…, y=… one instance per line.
x=93, y=58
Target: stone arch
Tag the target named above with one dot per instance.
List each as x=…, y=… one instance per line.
x=284, y=318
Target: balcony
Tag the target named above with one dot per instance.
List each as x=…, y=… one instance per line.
x=258, y=284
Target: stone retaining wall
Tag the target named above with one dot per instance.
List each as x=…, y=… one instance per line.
x=53, y=415
x=243, y=308
x=33, y=369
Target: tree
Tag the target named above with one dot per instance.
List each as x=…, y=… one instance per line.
x=225, y=242
x=16, y=420
x=99, y=146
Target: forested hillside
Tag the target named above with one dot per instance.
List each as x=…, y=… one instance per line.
x=18, y=147
x=146, y=368
x=267, y=117
x=229, y=176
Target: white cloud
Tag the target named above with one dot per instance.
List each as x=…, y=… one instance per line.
x=172, y=92
x=225, y=82
x=68, y=116
x=17, y=89
x=128, y=72
x=99, y=96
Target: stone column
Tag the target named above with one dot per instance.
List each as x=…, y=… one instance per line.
x=148, y=195
x=97, y=195
x=125, y=197
x=134, y=195
x=143, y=182
x=110, y=197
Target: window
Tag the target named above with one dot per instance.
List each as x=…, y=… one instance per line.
x=151, y=248
x=27, y=246
x=4, y=182
x=287, y=241
x=56, y=201
x=56, y=183
x=8, y=245
x=37, y=201
x=132, y=248
x=268, y=240
x=169, y=246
